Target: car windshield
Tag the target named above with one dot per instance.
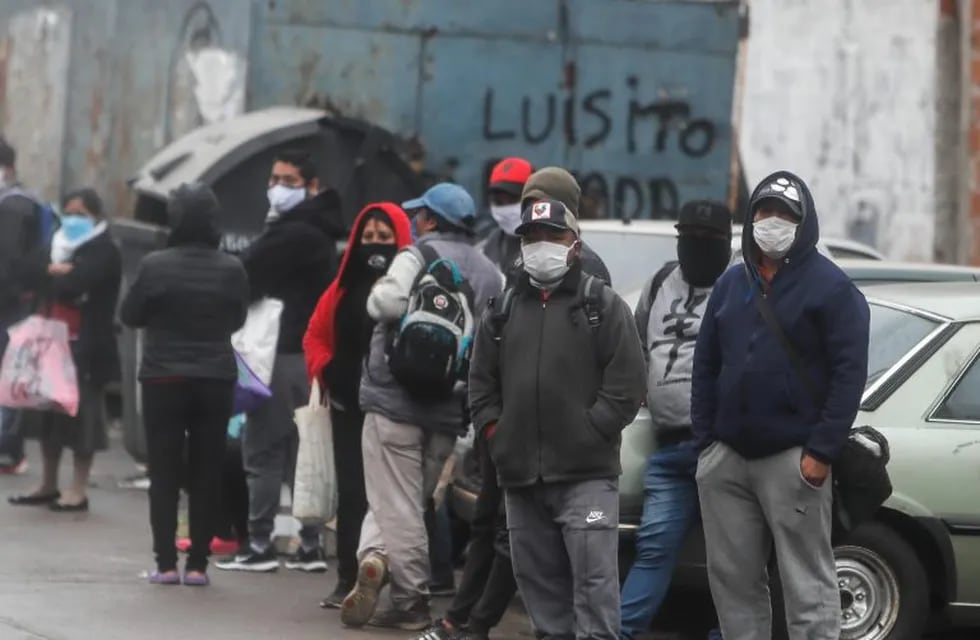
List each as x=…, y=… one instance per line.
x=893, y=334
x=630, y=257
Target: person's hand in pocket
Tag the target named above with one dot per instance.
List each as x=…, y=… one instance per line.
x=814, y=471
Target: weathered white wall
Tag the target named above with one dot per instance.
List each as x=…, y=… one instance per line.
x=843, y=92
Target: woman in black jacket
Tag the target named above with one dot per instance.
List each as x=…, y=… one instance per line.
x=81, y=288
x=189, y=299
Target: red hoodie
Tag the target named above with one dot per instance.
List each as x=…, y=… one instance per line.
x=318, y=343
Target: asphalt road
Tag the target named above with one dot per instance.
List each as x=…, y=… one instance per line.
x=80, y=577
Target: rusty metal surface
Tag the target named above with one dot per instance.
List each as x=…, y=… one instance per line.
x=635, y=96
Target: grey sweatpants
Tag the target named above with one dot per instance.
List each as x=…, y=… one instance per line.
x=564, y=545
x=402, y=464
x=748, y=507
x=269, y=445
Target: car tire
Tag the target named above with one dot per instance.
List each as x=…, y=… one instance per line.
x=874, y=565
x=884, y=586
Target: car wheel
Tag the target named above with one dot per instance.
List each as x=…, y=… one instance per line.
x=884, y=589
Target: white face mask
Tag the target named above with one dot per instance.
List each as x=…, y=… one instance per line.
x=545, y=262
x=774, y=236
x=508, y=216
x=283, y=198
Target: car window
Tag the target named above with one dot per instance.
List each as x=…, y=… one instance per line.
x=893, y=334
x=632, y=258
x=964, y=401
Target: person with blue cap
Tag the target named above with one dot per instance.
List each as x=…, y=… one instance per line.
x=409, y=433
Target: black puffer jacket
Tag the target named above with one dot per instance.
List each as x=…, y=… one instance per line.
x=294, y=261
x=190, y=297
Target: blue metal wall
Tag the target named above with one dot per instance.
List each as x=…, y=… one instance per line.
x=634, y=95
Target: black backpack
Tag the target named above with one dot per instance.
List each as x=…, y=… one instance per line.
x=590, y=290
x=429, y=350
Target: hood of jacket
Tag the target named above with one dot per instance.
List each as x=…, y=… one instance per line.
x=396, y=218
x=323, y=211
x=193, y=214
x=807, y=236
x=320, y=336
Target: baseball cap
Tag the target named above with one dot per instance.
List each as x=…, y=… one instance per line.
x=509, y=175
x=705, y=214
x=782, y=189
x=447, y=200
x=549, y=213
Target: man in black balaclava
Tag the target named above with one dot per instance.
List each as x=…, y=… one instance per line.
x=668, y=317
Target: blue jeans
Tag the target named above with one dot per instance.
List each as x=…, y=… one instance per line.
x=669, y=509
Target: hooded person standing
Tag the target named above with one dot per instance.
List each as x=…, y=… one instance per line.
x=82, y=289
x=771, y=423
x=668, y=318
x=188, y=299
x=293, y=261
x=336, y=343
x=408, y=437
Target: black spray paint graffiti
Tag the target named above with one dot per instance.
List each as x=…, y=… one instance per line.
x=589, y=122
x=539, y=120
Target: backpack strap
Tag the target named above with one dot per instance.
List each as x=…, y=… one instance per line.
x=592, y=289
x=428, y=254
x=500, y=312
x=645, y=305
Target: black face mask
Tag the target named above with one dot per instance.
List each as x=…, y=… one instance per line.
x=374, y=258
x=703, y=258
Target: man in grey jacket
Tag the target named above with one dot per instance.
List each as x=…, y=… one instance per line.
x=668, y=318
x=557, y=373
x=406, y=439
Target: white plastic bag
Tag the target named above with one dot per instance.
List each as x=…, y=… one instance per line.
x=256, y=342
x=315, y=487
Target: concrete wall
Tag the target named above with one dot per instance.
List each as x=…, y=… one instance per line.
x=845, y=93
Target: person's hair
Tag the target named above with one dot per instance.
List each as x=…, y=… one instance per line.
x=300, y=159
x=445, y=226
x=90, y=198
x=8, y=155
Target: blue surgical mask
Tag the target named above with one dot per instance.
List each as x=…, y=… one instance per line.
x=75, y=227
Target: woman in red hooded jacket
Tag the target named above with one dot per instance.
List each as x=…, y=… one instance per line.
x=336, y=343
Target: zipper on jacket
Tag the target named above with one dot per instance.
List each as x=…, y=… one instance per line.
x=537, y=385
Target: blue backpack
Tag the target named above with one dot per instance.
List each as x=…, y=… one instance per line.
x=48, y=221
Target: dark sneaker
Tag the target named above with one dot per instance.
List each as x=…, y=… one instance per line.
x=252, y=560
x=415, y=619
x=361, y=602
x=312, y=561
x=336, y=599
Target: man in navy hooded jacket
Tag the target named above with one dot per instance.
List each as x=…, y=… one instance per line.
x=770, y=431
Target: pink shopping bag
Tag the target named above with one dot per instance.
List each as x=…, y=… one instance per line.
x=38, y=371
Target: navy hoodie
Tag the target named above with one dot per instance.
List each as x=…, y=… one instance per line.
x=745, y=391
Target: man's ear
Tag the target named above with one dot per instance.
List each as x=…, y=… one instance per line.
x=313, y=186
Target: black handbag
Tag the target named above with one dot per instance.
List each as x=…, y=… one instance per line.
x=860, y=473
